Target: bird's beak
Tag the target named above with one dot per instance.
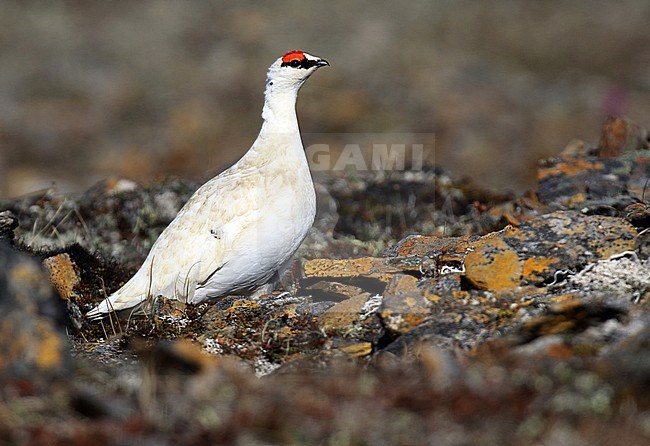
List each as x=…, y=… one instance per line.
x=322, y=63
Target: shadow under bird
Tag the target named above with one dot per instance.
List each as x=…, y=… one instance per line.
x=239, y=231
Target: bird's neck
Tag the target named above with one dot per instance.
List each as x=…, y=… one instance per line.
x=279, y=113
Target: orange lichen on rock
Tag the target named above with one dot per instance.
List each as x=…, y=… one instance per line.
x=402, y=284
x=357, y=350
x=619, y=135
x=533, y=266
x=403, y=307
x=493, y=265
x=63, y=274
x=423, y=245
x=39, y=345
x=617, y=242
x=570, y=167
x=49, y=347
x=243, y=304
x=344, y=314
x=365, y=266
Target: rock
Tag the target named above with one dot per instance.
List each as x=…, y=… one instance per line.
x=82, y=278
x=626, y=278
x=174, y=356
x=369, y=267
x=435, y=288
x=493, y=265
x=621, y=135
x=574, y=182
x=376, y=207
x=113, y=218
x=343, y=316
x=638, y=214
x=637, y=183
x=419, y=245
x=528, y=254
x=446, y=331
x=569, y=317
x=8, y=222
x=371, y=274
x=601, y=186
x=63, y=275
x=358, y=349
x=32, y=320
x=642, y=246
x=353, y=320
x=270, y=329
x=432, y=256
x=563, y=241
x=327, y=291
x=404, y=306
x=579, y=147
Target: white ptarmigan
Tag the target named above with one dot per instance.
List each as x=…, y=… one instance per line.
x=239, y=231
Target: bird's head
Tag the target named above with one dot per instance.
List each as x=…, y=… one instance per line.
x=293, y=69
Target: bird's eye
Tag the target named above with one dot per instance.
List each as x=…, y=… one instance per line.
x=295, y=63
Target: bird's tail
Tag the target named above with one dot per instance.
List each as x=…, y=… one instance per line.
x=116, y=302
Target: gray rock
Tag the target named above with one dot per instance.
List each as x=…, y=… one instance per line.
x=32, y=318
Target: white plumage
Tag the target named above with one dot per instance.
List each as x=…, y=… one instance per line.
x=239, y=231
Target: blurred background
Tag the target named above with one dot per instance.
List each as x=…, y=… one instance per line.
x=147, y=89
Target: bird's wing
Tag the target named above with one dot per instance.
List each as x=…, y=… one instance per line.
x=197, y=243
x=205, y=232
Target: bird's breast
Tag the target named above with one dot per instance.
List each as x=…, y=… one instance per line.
x=281, y=207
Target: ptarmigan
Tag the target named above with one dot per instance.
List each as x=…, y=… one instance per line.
x=239, y=231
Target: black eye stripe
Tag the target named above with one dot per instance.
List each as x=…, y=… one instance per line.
x=302, y=63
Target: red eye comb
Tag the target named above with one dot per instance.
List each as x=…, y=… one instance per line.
x=293, y=55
